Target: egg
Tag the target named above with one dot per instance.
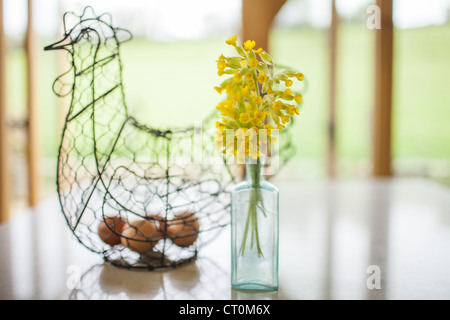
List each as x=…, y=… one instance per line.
x=141, y=235
x=159, y=221
x=109, y=230
x=184, y=229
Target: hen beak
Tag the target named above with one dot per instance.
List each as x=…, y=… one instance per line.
x=62, y=44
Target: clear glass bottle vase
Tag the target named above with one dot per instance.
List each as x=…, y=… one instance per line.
x=254, y=232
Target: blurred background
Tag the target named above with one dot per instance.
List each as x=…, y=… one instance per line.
x=170, y=72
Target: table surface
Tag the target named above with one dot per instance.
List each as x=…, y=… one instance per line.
x=336, y=238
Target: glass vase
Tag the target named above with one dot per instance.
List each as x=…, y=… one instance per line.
x=254, y=232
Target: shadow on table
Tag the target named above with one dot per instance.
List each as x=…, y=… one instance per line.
x=202, y=279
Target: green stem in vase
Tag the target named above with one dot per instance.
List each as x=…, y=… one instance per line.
x=255, y=202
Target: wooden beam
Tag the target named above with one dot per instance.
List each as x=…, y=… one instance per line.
x=4, y=149
x=332, y=41
x=33, y=146
x=383, y=92
x=257, y=19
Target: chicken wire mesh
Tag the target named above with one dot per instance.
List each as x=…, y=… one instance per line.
x=139, y=196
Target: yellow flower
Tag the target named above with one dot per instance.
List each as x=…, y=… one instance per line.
x=260, y=114
x=249, y=44
x=253, y=63
x=220, y=126
x=226, y=108
x=262, y=77
x=244, y=118
x=250, y=108
x=257, y=99
x=284, y=119
x=245, y=109
x=299, y=76
x=221, y=64
x=236, y=96
x=291, y=109
x=229, y=89
x=278, y=105
x=245, y=92
x=232, y=41
x=258, y=117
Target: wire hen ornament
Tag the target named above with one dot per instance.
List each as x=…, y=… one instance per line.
x=112, y=166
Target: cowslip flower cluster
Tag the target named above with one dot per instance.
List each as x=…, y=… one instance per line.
x=258, y=100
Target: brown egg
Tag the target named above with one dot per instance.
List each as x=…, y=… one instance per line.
x=141, y=235
x=184, y=229
x=159, y=221
x=109, y=230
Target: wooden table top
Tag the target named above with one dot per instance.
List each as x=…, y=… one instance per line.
x=357, y=239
